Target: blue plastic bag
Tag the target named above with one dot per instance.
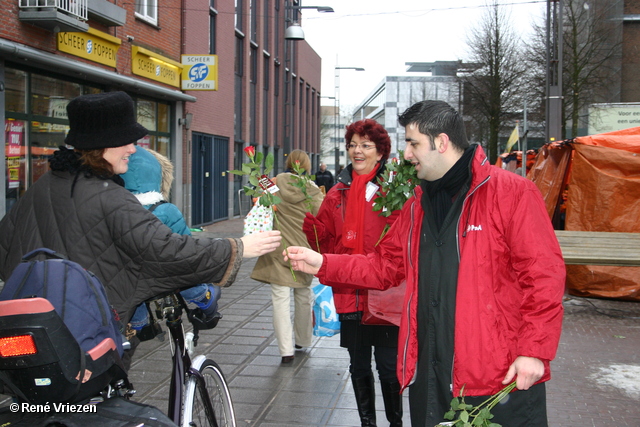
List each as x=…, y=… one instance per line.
x=325, y=316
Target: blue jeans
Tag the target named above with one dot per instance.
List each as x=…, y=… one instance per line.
x=195, y=295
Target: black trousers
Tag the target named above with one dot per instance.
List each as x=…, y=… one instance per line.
x=522, y=408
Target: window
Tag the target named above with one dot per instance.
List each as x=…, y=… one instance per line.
x=239, y=15
x=213, y=15
x=147, y=10
x=253, y=20
x=265, y=29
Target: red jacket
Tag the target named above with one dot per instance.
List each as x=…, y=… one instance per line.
x=511, y=279
x=332, y=214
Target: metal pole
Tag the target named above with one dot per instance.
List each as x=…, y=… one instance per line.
x=525, y=129
x=554, y=42
x=336, y=102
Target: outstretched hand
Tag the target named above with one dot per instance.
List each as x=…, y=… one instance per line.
x=527, y=370
x=260, y=243
x=303, y=259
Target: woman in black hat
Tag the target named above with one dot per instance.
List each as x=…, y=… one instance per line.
x=81, y=209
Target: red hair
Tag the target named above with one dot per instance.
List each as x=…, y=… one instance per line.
x=374, y=132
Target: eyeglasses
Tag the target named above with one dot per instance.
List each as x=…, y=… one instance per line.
x=364, y=147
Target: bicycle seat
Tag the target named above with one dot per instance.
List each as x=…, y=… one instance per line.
x=41, y=361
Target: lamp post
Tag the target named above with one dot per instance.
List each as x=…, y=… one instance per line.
x=337, y=113
x=292, y=33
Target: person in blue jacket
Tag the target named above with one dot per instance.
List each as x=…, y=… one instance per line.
x=149, y=178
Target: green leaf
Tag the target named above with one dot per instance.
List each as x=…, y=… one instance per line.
x=464, y=416
x=455, y=403
x=449, y=415
x=268, y=164
x=276, y=200
x=495, y=425
x=259, y=157
x=253, y=180
x=246, y=169
x=236, y=172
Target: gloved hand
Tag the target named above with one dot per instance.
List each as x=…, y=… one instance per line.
x=392, y=218
x=308, y=225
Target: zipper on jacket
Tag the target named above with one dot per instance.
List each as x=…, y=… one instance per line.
x=406, y=341
x=464, y=234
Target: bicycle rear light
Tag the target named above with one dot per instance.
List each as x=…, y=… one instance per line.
x=20, y=345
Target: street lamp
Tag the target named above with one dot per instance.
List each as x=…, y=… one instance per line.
x=337, y=112
x=294, y=31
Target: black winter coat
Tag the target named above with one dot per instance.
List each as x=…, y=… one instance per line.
x=103, y=227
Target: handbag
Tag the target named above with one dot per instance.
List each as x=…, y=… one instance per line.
x=259, y=219
x=325, y=316
x=384, y=307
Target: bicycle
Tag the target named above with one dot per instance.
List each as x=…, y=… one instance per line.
x=198, y=394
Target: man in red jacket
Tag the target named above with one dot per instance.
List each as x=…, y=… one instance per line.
x=484, y=273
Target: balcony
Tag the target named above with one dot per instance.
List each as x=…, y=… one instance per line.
x=55, y=15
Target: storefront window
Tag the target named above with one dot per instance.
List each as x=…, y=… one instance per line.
x=45, y=138
x=147, y=114
x=15, y=91
x=155, y=117
x=50, y=96
x=163, y=117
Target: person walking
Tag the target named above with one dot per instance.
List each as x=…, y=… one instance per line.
x=324, y=177
x=271, y=268
x=347, y=224
x=484, y=277
x=80, y=209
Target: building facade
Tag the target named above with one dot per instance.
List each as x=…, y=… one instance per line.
x=267, y=89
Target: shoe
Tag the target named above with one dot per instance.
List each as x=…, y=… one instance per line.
x=287, y=359
x=298, y=347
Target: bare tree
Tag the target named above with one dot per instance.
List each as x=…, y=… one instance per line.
x=591, y=59
x=494, y=93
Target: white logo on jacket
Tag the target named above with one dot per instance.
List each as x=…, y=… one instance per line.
x=472, y=227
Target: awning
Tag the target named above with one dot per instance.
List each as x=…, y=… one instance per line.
x=20, y=53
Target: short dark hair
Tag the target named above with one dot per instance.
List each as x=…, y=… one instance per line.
x=375, y=132
x=434, y=118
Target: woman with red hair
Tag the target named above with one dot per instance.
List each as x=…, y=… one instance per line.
x=347, y=224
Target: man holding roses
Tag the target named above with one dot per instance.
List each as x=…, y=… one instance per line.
x=484, y=274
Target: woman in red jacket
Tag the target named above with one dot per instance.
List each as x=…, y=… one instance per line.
x=347, y=224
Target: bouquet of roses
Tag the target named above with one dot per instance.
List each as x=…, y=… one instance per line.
x=396, y=186
x=261, y=187
x=480, y=415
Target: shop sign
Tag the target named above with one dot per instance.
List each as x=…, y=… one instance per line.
x=93, y=45
x=155, y=67
x=200, y=72
x=14, y=131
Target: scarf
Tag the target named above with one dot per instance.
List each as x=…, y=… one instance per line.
x=353, y=228
x=442, y=192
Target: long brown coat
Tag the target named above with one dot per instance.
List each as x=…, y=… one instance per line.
x=271, y=268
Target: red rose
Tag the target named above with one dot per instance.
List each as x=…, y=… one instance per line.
x=250, y=150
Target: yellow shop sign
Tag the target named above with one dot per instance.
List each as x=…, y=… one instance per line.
x=93, y=45
x=149, y=64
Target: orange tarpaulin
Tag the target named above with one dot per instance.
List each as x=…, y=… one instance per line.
x=601, y=174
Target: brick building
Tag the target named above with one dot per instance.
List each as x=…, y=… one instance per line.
x=267, y=88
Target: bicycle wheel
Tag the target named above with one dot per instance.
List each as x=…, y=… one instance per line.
x=195, y=412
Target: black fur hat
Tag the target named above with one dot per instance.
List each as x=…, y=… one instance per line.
x=103, y=120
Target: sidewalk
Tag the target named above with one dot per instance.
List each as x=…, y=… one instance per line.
x=314, y=390
x=595, y=376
